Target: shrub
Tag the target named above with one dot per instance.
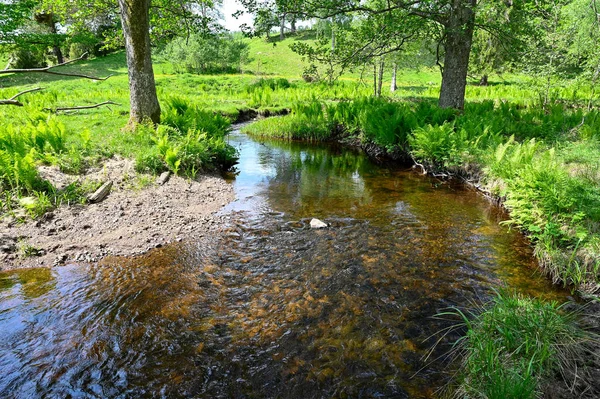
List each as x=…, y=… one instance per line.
x=206, y=53
x=190, y=140
x=28, y=57
x=438, y=146
x=182, y=115
x=21, y=147
x=386, y=124
x=271, y=83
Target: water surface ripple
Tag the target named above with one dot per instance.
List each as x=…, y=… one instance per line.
x=272, y=309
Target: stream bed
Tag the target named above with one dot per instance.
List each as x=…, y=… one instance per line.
x=273, y=308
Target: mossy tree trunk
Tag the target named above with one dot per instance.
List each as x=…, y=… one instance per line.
x=135, y=19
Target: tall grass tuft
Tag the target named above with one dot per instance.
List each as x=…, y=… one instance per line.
x=514, y=344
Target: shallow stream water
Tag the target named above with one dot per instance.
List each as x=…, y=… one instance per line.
x=273, y=309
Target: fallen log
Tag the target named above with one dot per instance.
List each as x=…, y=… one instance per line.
x=81, y=107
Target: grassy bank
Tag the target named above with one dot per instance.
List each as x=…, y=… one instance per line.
x=515, y=346
x=189, y=140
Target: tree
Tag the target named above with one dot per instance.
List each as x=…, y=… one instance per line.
x=459, y=25
x=168, y=19
x=135, y=19
x=368, y=39
x=27, y=30
x=264, y=20
x=46, y=18
x=581, y=30
x=13, y=16
x=456, y=20
x=206, y=53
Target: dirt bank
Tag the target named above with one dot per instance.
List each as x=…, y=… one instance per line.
x=137, y=215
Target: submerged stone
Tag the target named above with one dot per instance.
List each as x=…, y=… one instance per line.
x=317, y=224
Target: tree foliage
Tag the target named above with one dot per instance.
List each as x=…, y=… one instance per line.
x=206, y=53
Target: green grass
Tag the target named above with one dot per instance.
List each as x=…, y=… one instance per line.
x=190, y=142
x=274, y=57
x=515, y=344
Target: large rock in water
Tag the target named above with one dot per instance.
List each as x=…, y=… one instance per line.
x=317, y=224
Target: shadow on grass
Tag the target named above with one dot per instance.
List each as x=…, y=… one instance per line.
x=112, y=64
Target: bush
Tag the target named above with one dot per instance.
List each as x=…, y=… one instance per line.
x=76, y=50
x=182, y=115
x=21, y=147
x=190, y=140
x=206, y=54
x=439, y=146
x=28, y=57
x=386, y=124
x=271, y=83
x=556, y=207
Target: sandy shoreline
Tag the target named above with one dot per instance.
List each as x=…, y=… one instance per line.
x=137, y=216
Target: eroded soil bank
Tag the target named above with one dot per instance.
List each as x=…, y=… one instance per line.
x=137, y=215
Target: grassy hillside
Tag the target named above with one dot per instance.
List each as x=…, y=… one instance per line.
x=275, y=57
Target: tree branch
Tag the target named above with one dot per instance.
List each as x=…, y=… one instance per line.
x=13, y=100
x=49, y=70
x=81, y=107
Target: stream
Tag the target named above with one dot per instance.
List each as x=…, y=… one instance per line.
x=273, y=308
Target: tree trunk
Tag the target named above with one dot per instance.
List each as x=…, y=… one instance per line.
x=293, y=25
x=282, y=27
x=56, y=47
x=393, y=85
x=47, y=19
x=144, y=101
x=375, y=79
x=332, y=38
x=459, y=37
x=380, y=83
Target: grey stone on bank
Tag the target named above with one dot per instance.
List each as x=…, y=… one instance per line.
x=317, y=224
x=7, y=244
x=162, y=179
x=101, y=193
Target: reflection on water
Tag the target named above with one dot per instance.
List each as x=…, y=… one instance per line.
x=273, y=309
